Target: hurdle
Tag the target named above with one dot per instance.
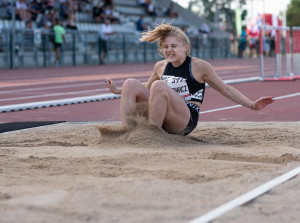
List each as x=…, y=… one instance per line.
x=296, y=51
x=288, y=74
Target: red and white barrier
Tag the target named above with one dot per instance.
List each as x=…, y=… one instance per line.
x=290, y=73
x=296, y=51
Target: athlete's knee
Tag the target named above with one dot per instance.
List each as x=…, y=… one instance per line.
x=131, y=85
x=131, y=82
x=158, y=93
x=158, y=88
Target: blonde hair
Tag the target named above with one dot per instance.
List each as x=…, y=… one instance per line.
x=161, y=32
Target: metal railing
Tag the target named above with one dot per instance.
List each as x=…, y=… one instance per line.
x=33, y=48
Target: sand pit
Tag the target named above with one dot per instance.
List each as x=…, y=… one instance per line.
x=68, y=173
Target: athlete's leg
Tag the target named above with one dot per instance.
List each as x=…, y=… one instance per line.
x=133, y=91
x=57, y=56
x=167, y=108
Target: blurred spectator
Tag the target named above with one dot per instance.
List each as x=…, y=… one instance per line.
x=253, y=39
x=109, y=15
x=98, y=13
x=203, y=32
x=1, y=40
x=185, y=30
x=143, y=3
x=42, y=5
x=50, y=4
x=64, y=10
x=153, y=23
x=7, y=9
x=171, y=11
x=105, y=32
x=34, y=9
x=28, y=25
x=266, y=45
x=204, y=36
x=204, y=28
x=71, y=23
x=107, y=10
x=233, y=48
x=59, y=39
x=73, y=7
x=150, y=9
x=272, y=45
x=81, y=5
x=28, y=34
x=22, y=12
x=140, y=24
x=109, y=3
x=242, y=42
x=47, y=19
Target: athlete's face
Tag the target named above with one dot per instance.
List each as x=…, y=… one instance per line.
x=174, y=50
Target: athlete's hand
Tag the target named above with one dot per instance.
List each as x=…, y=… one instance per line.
x=111, y=85
x=261, y=103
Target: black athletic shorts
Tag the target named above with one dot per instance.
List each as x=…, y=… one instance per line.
x=57, y=45
x=194, y=109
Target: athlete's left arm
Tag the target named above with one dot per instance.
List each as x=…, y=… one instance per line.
x=212, y=78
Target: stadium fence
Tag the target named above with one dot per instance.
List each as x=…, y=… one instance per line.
x=33, y=48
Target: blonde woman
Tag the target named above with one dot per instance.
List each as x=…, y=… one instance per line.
x=175, y=90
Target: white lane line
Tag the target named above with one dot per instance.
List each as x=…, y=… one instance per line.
x=246, y=197
x=47, y=88
x=287, y=96
x=56, y=87
x=237, y=106
x=54, y=94
x=53, y=103
x=220, y=109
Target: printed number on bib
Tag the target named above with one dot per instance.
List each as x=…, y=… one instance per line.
x=179, y=85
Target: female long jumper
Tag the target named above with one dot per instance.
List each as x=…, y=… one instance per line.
x=175, y=90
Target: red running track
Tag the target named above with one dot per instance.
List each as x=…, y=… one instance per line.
x=42, y=84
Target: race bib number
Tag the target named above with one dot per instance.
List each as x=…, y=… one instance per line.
x=179, y=85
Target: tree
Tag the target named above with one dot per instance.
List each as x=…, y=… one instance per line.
x=216, y=10
x=292, y=13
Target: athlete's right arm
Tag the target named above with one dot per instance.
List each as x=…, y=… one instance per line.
x=112, y=86
x=156, y=70
x=155, y=74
